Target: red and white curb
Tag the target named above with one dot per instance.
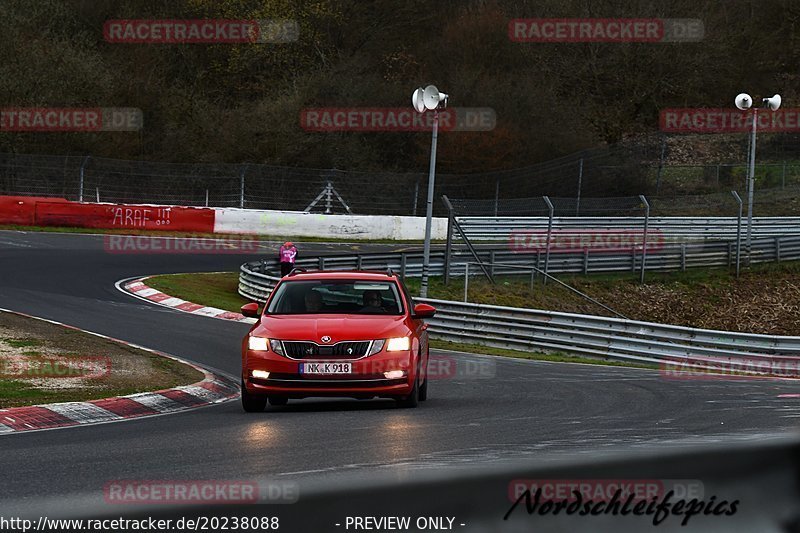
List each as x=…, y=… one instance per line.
x=213, y=389
x=139, y=289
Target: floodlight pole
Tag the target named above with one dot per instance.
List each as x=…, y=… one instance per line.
x=426, y=254
x=751, y=181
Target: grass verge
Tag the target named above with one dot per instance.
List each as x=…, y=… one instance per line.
x=42, y=362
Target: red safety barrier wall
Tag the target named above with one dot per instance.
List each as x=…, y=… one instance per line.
x=123, y=216
x=21, y=209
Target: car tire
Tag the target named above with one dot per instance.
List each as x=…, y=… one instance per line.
x=412, y=400
x=423, y=390
x=277, y=400
x=252, y=403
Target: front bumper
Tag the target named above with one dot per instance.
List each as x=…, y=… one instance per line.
x=365, y=381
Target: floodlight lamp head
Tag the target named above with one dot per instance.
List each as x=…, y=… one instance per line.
x=432, y=98
x=417, y=101
x=773, y=103
x=744, y=101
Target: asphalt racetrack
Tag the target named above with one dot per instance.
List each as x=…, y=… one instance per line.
x=534, y=412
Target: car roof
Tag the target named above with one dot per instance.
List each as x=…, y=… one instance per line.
x=371, y=275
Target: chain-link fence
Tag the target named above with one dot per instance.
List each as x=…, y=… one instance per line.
x=602, y=181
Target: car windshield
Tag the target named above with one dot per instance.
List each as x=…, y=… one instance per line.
x=337, y=297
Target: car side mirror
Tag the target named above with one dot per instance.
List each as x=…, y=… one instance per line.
x=424, y=311
x=250, y=310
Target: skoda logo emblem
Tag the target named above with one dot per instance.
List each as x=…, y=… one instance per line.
x=325, y=338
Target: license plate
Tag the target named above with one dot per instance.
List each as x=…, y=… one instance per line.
x=326, y=368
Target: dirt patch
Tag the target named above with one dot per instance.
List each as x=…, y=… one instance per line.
x=42, y=363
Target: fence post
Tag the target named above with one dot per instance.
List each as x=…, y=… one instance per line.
x=241, y=186
x=730, y=254
x=777, y=249
x=206, y=197
x=80, y=184
x=644, y=238
x=783, y=176
x=580, y=185
x=738, y=231
x=585, y=261
x=466, y=279
x=683, y=257
x=321, y=263
x=403, y=265
x=416, y=195
x=359, y=262
x=496, y=196
x=97, y=194
x=661, y=163
x=491, y=262
x=448, y=249
x=549, y=234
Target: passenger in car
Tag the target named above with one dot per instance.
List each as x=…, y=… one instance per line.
x=313, y=301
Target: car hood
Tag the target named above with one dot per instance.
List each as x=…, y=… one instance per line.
x=338, y=328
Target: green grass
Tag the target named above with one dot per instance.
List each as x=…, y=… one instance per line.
x=210, y=289
x=557, y=357
x=22, y=343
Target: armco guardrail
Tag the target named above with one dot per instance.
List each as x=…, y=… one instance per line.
x=671, y=228
x=666, y=257
x=614, y=338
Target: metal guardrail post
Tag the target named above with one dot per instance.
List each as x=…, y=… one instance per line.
x=403, y=265
x=496, y=196
x=777, y=249
x=585, y=260
x=466, y=279
x=644, y=238
x=738, y=231
x=448, y=249
x=321, y=263
x=549, y=235
x=359, y=262
x=491, y=262
x=683, y=257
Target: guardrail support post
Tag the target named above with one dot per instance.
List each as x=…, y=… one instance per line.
x=777, y=249
x=549, y=235
x=321, y=263
x=448, y=249
x=359, y=262
x=730, y=254
x=491, y=263
x=585, y=260
x=683, y=257
x=403, y=265
x=738, y=231
x=644, y=238
x=466, y=279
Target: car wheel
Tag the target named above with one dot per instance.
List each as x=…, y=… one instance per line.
x=252, y=403
x=423, y=390
x=412, y=400
x=278, y=400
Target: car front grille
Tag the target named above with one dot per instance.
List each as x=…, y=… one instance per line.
x=312, y=350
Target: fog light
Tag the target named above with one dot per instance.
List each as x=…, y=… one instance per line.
x=259, y=374
x=394, y=374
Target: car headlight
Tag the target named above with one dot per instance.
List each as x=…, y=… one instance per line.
x=398, y=344
x=259, y=344
x=377, y=346
x=277, y=346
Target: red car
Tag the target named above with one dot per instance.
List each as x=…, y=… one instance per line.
x=346, y=333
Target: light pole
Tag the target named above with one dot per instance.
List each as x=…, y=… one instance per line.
x=431, y=99
x=744, y=102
